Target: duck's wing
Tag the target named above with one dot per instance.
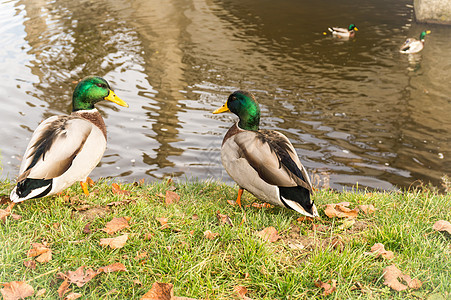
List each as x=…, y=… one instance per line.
x=53, y=147
x=339, y=30
x=273, y=156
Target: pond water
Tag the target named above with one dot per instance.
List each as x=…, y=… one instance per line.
x=356, y=111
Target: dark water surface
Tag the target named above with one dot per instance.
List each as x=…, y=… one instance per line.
x=356, y=111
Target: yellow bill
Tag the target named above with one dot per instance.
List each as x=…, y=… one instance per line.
x=356, y=29
x=222, y=109
x=115, y=99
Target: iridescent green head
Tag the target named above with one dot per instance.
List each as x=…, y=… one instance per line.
x=91, y=90
x=353, y=27
x=244, y=105
x=423, y=34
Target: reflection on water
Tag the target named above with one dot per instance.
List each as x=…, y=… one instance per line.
x=356, y=111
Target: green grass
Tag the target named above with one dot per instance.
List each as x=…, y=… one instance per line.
x=210, y=269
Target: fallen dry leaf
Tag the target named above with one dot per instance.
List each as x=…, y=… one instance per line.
x=79, y=276
x=30, y=264
x=43, y=253
x=241, y=292
x=195, y=217
x=16, y=216
x=112, y=268
x=87, y=229
x=159, y=291
x=16, y=290
x=327, y=286
x=442, y=225
x=260, y=205
x=44, y=257
x=171, y=197
x=37, y=249
x=303, y=219
x=117, y=190
x=116, y=224
x=90, y=182
x=391, y=275
x=367, y=209
x=163, y=222
x=40, y=293
x=224, y=219
x=269, y=234
x=4, y=214
x=210, y=235
x=64, y=287
x=115, y=243
x=231, y=202
x=379, y=250
x=73, y=296
x=141, y=255
x=340, y=210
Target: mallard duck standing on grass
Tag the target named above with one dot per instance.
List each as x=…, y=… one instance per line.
x=412, y=45
x=344, y=33
x=263, y=162
x=65, y=149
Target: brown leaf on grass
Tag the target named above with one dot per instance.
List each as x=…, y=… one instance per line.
x=72, y=296
x=64, y=287
x=224, y=219
x=260, y=205
x=367, y=209
x=115, y=243
x=159, y=291
x=340, y=210
x=231, y=202
x=79, y=276
x=195, y=217
x=163, y=222
x=269, y=234
x=16, y=216
x=16, y=290
x=30, y=264
x=44, y=257
x=379, y=250
x=141, y=255
x=327, y=286
x=4, y=214
x=43, y=253
x=117, y=190
x=210, y=235
x=112, y=268
x=87, y=229
x=171, y=197
x=303, y=219
x=116, y=224
x=241, y=292
x=90, y=182
x=391, y=275
x=442, y=225
x=40, y=293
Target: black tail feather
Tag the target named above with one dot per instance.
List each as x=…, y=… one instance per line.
x=25, y=187
x=298, y=194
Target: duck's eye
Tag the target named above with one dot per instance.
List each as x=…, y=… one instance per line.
x=100, y=85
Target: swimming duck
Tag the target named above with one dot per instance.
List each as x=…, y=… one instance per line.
x=263, y=162
x=344, y=33
x=65, y=149
x=412, y=45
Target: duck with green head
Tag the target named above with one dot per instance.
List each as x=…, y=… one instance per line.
x=65, y=149
x=344, y=33
x=412, y=45
x=263, y=162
